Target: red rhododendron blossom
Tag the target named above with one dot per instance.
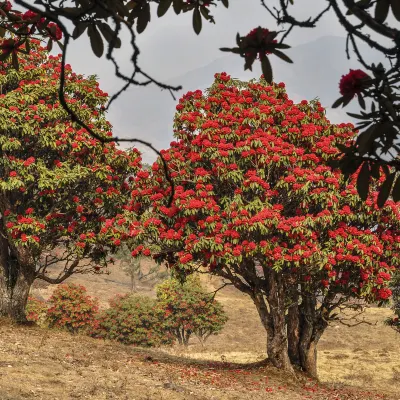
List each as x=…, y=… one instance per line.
x=352, y=83
x=6, y=6
x=253, y=34
x=55, y=31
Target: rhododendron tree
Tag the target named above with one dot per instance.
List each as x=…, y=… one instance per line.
x=257, y=204
x=58, y=184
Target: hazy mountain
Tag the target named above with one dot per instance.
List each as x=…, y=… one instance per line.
x=147, y=112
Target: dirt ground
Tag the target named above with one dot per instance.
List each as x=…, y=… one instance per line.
x=362, y=362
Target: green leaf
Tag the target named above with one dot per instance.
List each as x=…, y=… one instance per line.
x=343, y=148
x=395, y=8
x=382, y=10
x=281, y=46
x=375, y=171
x=178, y=6
x=361, y=101
x=60, y=45
x=366, y=138
x=225, y=3
x=347, y=100
x=49, y=45
x=249, y=62
x=163, y=7
x=4, y=56
x=108, y=34
x=234, y=50
x=197, y=21
x=357, y=116
x=79, y=29
x=282, y=56
x=15, y=62
x=363, y=181
x=95, y=40
x=396, y=190
x=2, y=31
x=384, y=191
x=266, y=69
x=143, y=18
x=338, y=102
x=238, y=39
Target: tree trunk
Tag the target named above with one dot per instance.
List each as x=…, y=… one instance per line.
x=293, y=332
x=133, y=284
x=17, y=273
x=273, y=320
x=312, y=326
x=15, y=284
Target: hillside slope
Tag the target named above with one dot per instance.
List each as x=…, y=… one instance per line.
x=38, y=364
x=354, y=363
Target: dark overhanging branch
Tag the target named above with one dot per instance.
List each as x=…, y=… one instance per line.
x=366, y=19
x=351, y=29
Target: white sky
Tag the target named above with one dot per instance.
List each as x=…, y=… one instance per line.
x=169, y=48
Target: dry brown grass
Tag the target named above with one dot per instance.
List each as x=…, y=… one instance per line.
x=35, y=363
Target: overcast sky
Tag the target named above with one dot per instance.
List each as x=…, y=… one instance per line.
x=169, y=48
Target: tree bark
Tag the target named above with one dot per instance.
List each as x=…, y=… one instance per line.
x=312, y=326
x=17, y=273
x=15, y=284
x=273, y=320
x=293, y=332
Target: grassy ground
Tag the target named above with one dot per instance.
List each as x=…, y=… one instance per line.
x=354, y=363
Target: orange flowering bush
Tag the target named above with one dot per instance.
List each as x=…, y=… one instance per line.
x=36, y=311
x=70, y=308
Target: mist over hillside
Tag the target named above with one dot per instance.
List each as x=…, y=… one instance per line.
x=147, y=112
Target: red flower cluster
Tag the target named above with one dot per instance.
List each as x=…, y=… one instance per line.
x=353, y=83
x=261, y=35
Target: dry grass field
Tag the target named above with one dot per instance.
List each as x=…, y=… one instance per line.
x=362, y=362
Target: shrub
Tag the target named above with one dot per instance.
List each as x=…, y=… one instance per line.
x=71, y=309
x=36, y=311
x=132, y=319
x=187, y=309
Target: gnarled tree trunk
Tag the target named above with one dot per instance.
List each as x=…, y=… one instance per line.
x=293, y=332
x=17, y=274
x=272, y=314
x=305, y=337
x=15, y=283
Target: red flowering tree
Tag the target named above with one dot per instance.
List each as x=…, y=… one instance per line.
x=257, y=204
x=58, y=184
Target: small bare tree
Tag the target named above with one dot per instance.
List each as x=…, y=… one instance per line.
x=134, y=268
